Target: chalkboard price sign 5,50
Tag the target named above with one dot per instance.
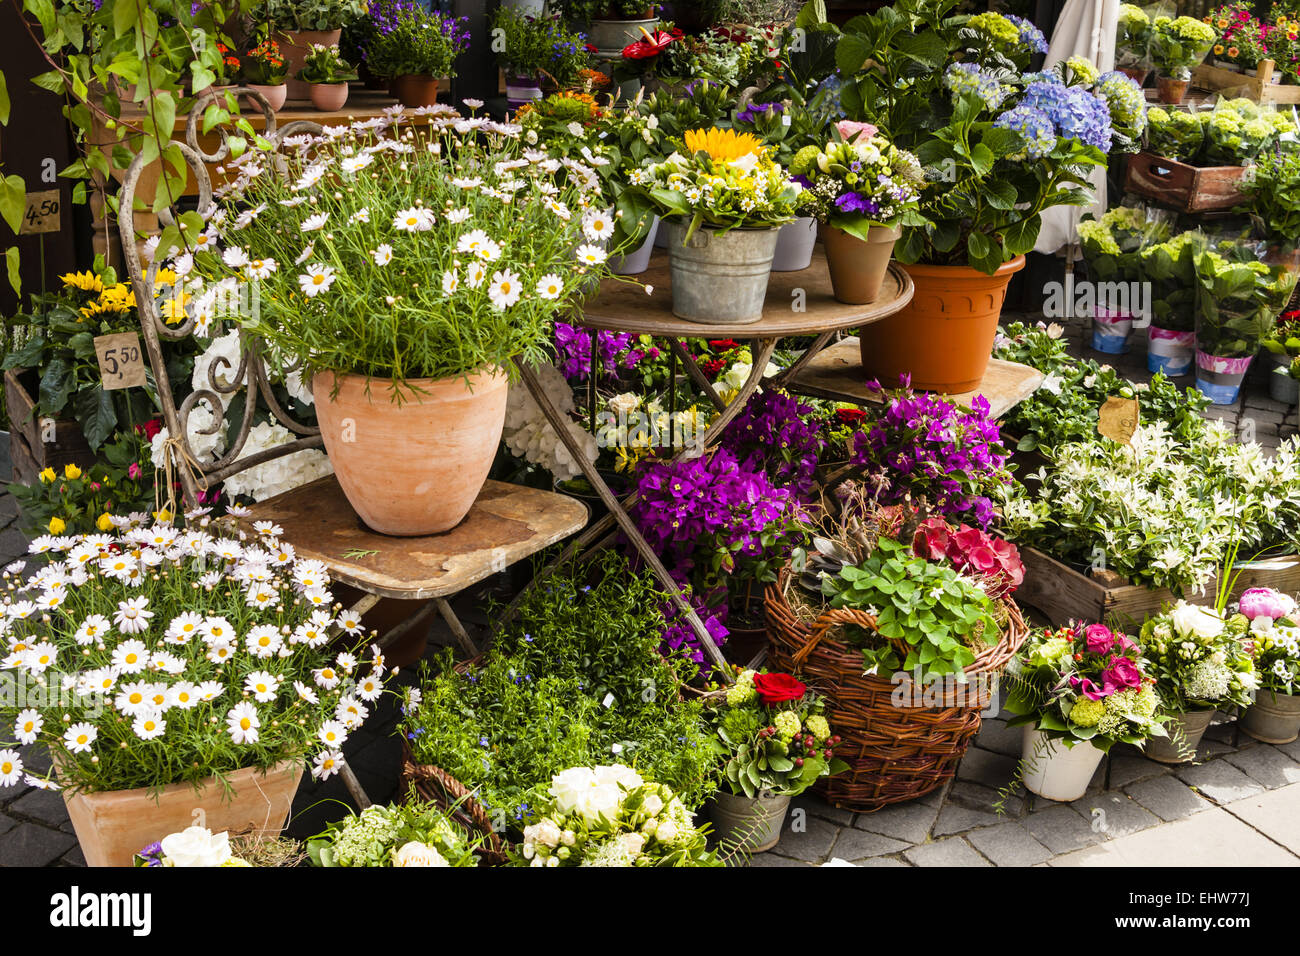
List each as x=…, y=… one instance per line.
x=121, y=362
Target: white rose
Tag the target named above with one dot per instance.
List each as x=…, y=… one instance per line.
x=196, y=846
x=633, y=843
x=1192, y=621
x=418, y=854
x=547, y=833
x=666, y=832
x=653, y=804
x=624, y=404
x=568, y=788
x=600, y=801
x=619, y=774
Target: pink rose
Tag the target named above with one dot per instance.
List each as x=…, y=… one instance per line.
x=1099, y=639
x=850, y=130
x=1265, y=602
x=1121, y=674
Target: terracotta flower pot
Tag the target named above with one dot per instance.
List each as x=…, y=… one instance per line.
x=1138, y=74
x=414, y=90
x=115, y=825
x=275, y=96
x=416, y=467
x=294, y=47
x=329, y=96
x=858, y=266
x=944, y=337
x=1171, y=91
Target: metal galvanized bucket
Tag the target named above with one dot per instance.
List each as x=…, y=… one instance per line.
x=1185, y=733
x=794, y=245
x=610, y=36
x=1281, y=386
x=719, y=278
x=751, y=823
x=638, y=260
x=1273, y=718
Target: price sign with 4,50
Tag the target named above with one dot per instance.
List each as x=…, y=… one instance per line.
x=121, y=364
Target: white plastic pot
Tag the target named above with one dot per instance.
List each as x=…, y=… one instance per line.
x=1055, y=771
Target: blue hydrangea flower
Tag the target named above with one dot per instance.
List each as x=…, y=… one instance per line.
x=1030, y=35
x=1074, y=112
x=970, y=78
x=1034, y=126
x=1125, y=101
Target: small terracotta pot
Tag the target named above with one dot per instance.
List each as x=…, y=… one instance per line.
x=858, y=266
x=115, y=825
x=414, y=90
x=275, y=96
x=1171, y=91
x=416, y=467
x=1138, y=74
x=294, y=47
x=329, y=96
x=944, y=337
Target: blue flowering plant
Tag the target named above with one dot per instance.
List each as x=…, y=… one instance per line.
x=409, y=40
x=539, y=47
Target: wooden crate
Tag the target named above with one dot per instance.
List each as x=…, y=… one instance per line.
x=1260, y=88
x=1183, y=187
x=32, y=453
x=1064, y=594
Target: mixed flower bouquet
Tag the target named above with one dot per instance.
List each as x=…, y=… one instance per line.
x=858, y=181
x=774, y=735
x=409, y=39
x=1085, y=683
x=159, y=655
x=505, y=239
x=1274, y=636
x=409, y=834
x=612, y=816
x=725, y=180
x=1178, y=44
x=194, y=846
x=923, y=446
x=1199, y=659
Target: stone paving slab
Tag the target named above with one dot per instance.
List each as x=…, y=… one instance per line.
x=1214, y=838
x=1275, y=814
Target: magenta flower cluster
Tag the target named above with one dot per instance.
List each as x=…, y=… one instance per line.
x=617, y=350
x=777, y=434
x=1120, y=672
x=924, y=446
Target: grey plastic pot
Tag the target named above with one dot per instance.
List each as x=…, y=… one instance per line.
x=610, y=36
x=1281, y=386
x=719, y=278
x=794, y=245
x=751, y=823
x=1189, y=727
x=1273, y=718
x=638, y=260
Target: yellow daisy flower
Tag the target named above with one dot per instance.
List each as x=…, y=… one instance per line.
x=86, y=281
x=723, y=145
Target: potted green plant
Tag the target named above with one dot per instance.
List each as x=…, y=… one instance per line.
x=1133, y=43
x=861, y=189
x=203, y=679
x=1238, y=302
x=1170, y=267
x=998, y=147
x=1177, y=45
x=299, y=25
x=775, y=738
x=405, y=266
x=326, y=74
x=721, y=203
x=1272, y=191
x=536, y=50
x=265, y=70
x=1201, y=665
x=1111, y=247
x=1274, y=716
x=1078, y=691
x=611, y=24
x=1282, y=343
x=414, y=49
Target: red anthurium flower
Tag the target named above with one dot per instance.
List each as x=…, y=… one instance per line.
x=652, y=45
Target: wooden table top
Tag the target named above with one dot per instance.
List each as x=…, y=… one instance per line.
x=507, y=523
x=623, y=306
x=836, y=374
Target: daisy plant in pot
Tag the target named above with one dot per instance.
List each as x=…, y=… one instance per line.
x=1078, y=691
x=862, y=189
x=721, y=198
x=405, y=265
x=166, y=668
x=1201, y=664
x=775, y=737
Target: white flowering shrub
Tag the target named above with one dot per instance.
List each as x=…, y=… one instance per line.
x=162, y=655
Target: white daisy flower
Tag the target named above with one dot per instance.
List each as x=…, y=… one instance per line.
x=132, y=616
x=220, y=652
x=504, y=290
x=302, y=257
x=80, y=737
x=261, y=268
x=472, y=241
x=149, y=726
x=326, y=677
x=369, y=688
x=591, y=255
x=210, y=690
x=217, y=630
x=130, y=657
x=414, y=219
x=383, y=254
x=317, y=279
x=167, y=662
x=183, y=627
x=306, y=693
x=351, y=623
x=133, y=698
x=450, y=282
x=28, y=726
x=262, y=686
x=183, y=695
x=327, y=764
x=598, y=225
x=332, y=734
x=352, y=712
x=476, y=274
x=264, y=641
x=353, y=164
x=40, y=657
x=314, y=223
x=11, y=768
x=457, y=216
x=242, y=723
x=235, y=257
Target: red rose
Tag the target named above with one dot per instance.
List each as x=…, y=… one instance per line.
x=850, y=416
x=723, y=344
x=778, y=688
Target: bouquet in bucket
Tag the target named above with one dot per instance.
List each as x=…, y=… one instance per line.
x=1085, y=683
x=612, y=816
x=775, y=735
x=160, y=655
x=1274, y=622
x=1199, y=659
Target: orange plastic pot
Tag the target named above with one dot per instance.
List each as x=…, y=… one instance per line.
x=944, y=337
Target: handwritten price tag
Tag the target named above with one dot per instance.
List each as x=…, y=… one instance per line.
x=121, y=362
x=1118, y=419
x=42, y=213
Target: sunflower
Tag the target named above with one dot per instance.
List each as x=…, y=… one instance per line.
x=86, y=281
x=723, y=145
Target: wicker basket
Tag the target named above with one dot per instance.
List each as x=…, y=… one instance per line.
x=436, y=786
x=894, y=752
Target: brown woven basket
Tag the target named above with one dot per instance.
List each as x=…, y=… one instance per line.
x=436, y=786
x=894, y=752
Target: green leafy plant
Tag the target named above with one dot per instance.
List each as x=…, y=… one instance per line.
x=323, y=64
x=1272, y=188
x=543, y=46
x=83, y=502
x=1239, y=301
x=308, y=14
x=415, y=41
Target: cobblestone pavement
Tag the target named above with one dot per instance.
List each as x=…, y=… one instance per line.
x=1236, y=805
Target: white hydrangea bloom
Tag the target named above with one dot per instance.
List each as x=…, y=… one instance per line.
x=530, y=436
x=280, y=474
